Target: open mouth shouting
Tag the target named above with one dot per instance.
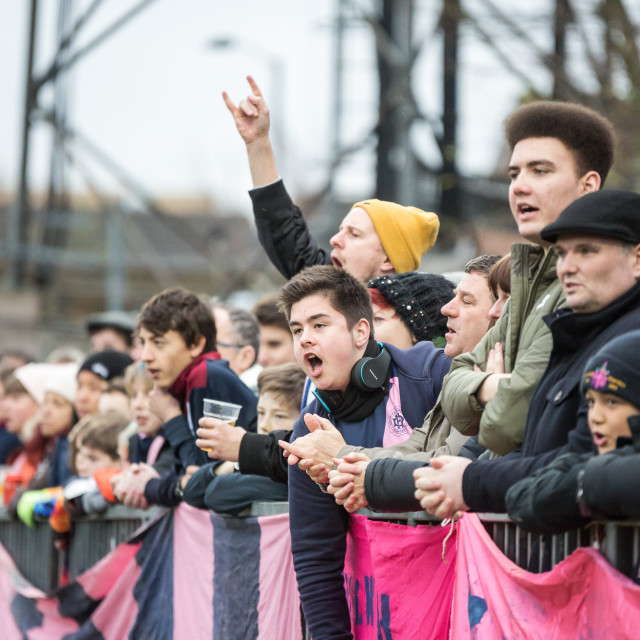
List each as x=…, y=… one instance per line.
x=525, y=210
x=336, y=261
x=314, y=364
x=599, y=439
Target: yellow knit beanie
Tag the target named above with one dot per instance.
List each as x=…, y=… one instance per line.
x=406, y=233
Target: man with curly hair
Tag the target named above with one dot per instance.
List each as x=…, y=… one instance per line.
x=559, y=152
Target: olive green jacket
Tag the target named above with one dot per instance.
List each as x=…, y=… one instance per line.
x=526, y=341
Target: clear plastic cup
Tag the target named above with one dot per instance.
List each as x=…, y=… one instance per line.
x=226, y=411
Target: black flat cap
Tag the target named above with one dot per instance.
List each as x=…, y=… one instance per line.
x=610, y=214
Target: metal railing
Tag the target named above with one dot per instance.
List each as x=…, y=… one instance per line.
x=32, y=551
x=91, y=538
x=94, y=536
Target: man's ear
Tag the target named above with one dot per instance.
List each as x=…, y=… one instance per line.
x=636, y=263
x=198, y=347
x=361, y=332
x=246, y=357
x=591, y=182
x=387, y=268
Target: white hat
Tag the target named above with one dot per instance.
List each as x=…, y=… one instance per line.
x=39, y=377
x=64, y=381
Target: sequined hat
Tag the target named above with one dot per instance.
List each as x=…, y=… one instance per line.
x=417, y=298
x=615, y=369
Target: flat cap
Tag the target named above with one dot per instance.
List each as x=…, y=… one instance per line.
x=610, y=213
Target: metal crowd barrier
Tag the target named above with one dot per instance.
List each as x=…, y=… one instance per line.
x=32, y=551
x=618, y=542
x=94, y=536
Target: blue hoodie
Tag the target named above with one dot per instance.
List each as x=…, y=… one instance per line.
x=318, y=525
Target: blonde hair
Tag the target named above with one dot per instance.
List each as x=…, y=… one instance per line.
x=137, y=373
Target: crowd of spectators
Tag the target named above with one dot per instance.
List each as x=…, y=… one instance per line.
x=364, y=382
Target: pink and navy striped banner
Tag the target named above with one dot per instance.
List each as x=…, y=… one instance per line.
x=198, y=575
x=194, y=575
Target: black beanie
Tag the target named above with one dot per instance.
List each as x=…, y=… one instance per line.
x=107, y=364
x=417, y=298
x=616, y=369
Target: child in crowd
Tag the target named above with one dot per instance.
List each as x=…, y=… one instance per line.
x=146, y=444
x=178, y=337
x=280, y=390
x=94, y=459
x=40, y=397
x=58, y=417
x=95, y=372
x=9, y=442
x=500, y=285
x=115, y=398
x=571, y=490
x=19, y=411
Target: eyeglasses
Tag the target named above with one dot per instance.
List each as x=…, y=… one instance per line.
x=230, y=345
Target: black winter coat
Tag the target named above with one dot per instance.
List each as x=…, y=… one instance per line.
x=576, y=488
x=552, y=427
x=283, y=232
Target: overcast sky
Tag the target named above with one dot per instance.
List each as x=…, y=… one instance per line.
x=149, y=97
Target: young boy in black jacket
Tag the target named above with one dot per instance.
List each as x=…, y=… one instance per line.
x=280, y=392
x=572, y=490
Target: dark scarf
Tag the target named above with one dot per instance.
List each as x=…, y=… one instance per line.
x=180, y=388
x=353, y=404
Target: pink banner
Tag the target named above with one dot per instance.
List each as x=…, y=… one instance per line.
x=194, y=575
x=397, y=583
x=582, y=597
x=193, y=564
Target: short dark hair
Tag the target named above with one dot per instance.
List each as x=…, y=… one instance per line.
x=587, y=134
x=268, y=314
x=481, y=264
x=182, y=311
x=286, y=380
x=500, y=276
x=347, y=295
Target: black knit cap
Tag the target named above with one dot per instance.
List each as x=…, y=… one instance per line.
x=610, y=213
x=616, y=369
x=417, y=298
x=107, y=364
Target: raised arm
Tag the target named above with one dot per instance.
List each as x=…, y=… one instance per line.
x=252, y=120
x=282, y=231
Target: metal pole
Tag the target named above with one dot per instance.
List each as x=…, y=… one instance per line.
x=449, y=179
x=395, y=162
x=114, y=294
x=20, y=212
